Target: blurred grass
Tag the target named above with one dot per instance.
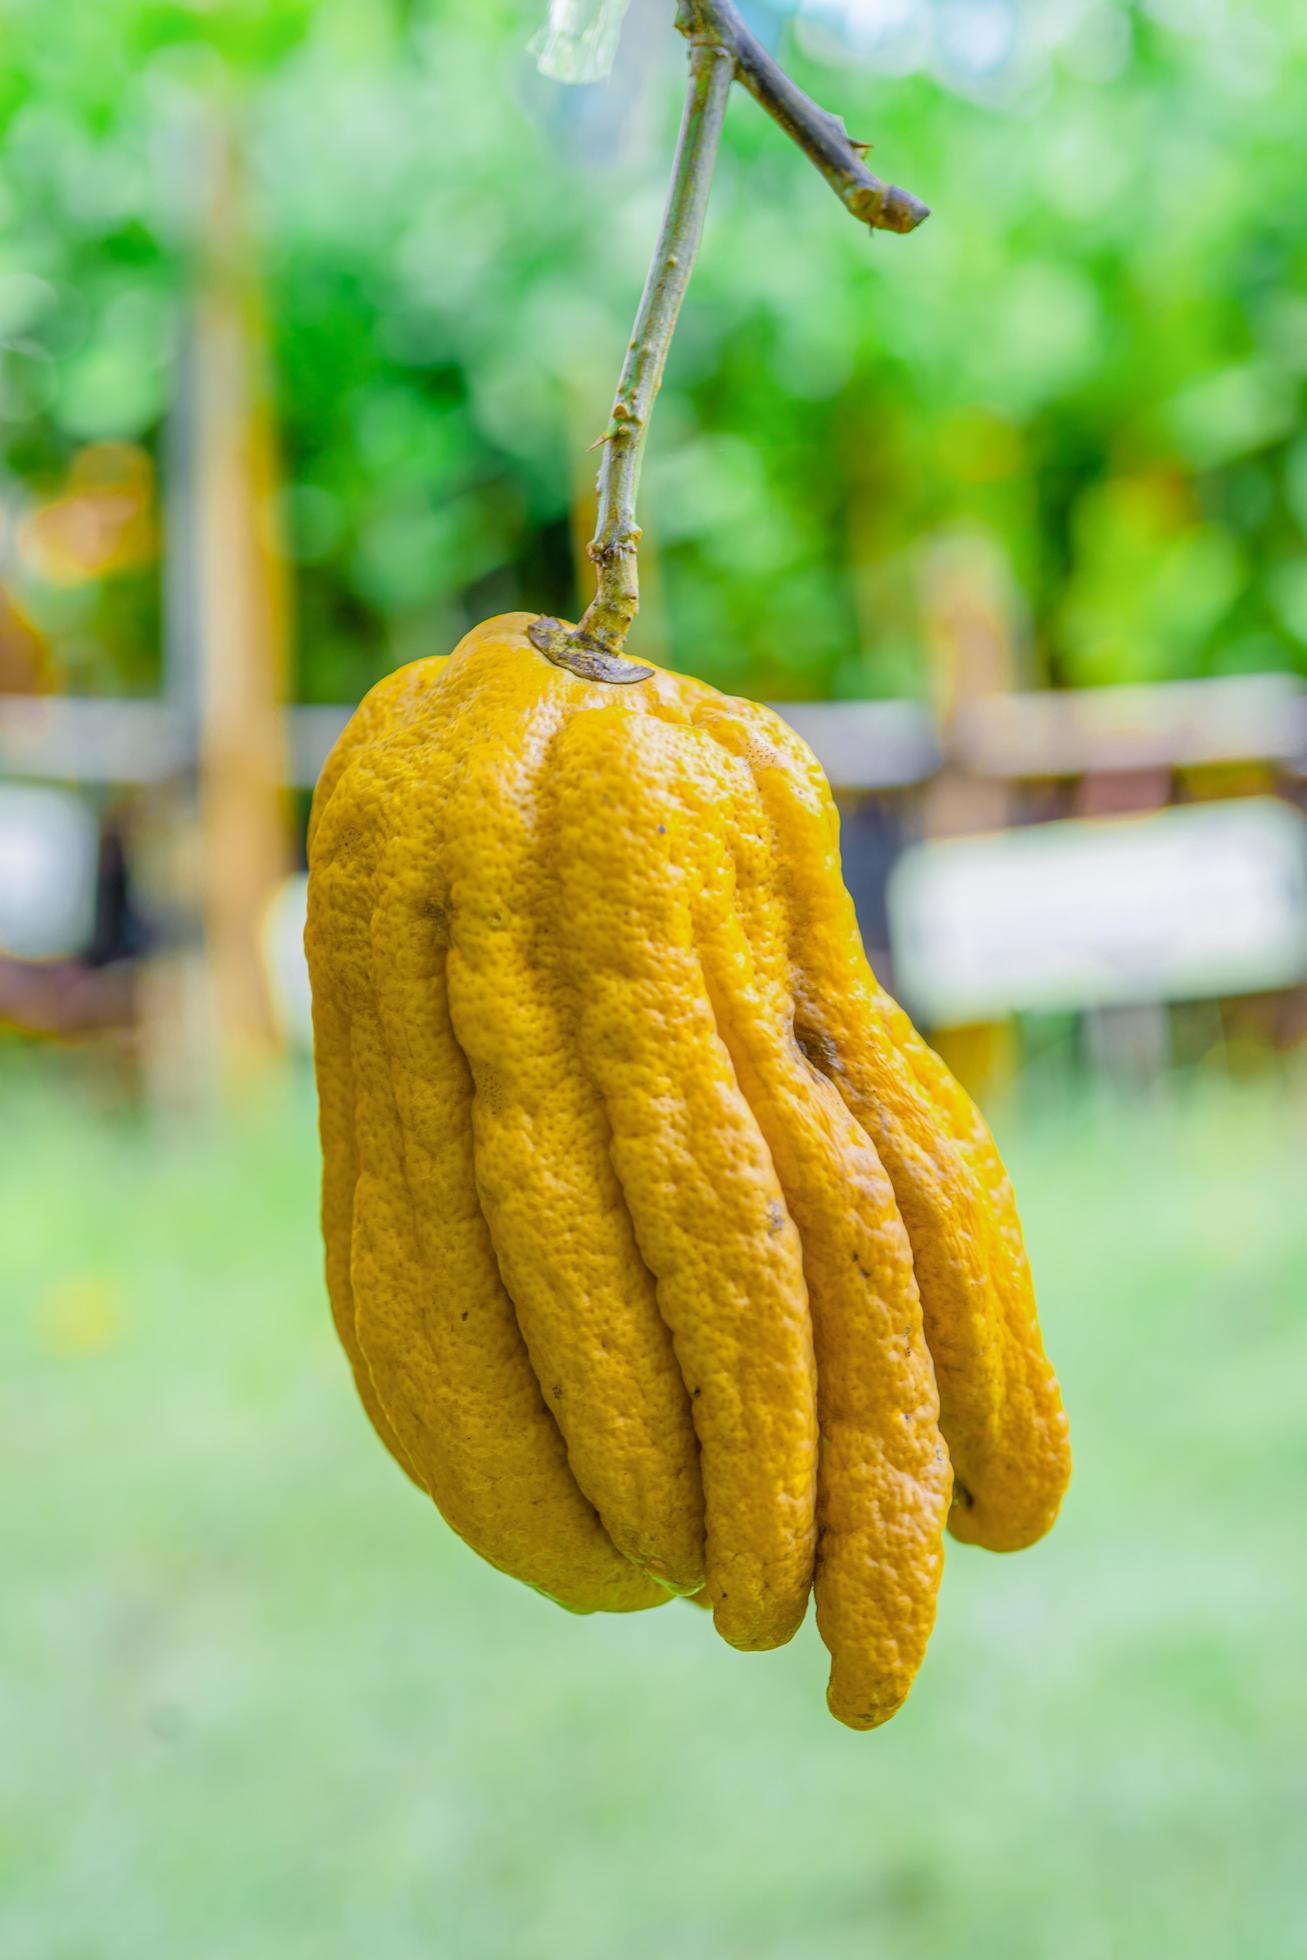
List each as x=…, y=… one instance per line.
x=257, y=1701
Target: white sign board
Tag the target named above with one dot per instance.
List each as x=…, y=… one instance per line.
x=287, y=970
x=1186, y=903
x=49, y=863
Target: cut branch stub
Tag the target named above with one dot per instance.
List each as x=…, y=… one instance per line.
x=821, y=135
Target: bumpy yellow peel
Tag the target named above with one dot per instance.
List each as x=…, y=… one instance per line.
x=667, y=1256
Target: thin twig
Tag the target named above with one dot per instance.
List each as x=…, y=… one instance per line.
x=721, y=48
x=593, y=649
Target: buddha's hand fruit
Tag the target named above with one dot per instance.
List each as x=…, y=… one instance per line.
x=665, y=1252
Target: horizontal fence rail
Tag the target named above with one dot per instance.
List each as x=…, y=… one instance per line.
x=864, y=746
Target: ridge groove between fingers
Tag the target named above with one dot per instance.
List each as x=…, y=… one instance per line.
x=462, y=1397
x=605, y=1128
x=346, y=1316
x=883, y=1478
x=555, y=1211
x=337, y=1106
x=1000, y=1411
x=708, y=1210
x=525, y=1553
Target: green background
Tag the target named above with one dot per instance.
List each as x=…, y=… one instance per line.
x=1094, y=352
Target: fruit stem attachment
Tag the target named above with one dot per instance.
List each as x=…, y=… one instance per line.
x=721, y=48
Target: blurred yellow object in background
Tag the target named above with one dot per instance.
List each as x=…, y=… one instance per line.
x=81, y=1316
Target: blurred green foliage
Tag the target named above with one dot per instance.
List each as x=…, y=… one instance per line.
x=1095, y=351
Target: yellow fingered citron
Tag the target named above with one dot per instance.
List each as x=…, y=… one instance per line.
x=668, y=1258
